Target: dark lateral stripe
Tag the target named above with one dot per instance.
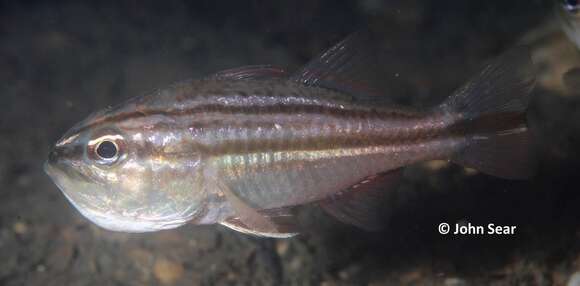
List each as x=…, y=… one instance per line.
x=254, y=110
x=300, y=134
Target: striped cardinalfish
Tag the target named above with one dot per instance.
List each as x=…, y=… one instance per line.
x=244, y=146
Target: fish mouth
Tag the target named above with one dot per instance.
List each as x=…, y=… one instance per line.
x=64, y=161
x=57, y=170
x=64, y=176
x=54, y=170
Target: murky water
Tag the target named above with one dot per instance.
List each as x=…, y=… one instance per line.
x=60, y=61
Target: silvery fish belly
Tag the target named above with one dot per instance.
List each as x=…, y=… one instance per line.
x=243, y=147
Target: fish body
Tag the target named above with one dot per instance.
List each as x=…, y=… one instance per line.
x=242, y=147
x=568, y=14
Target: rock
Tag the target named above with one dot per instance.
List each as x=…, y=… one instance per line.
x=470, y=171
x=454, y=281
x=436, y=165
x=166, y=271
x=142, y=261
x=556, y=57
x=328, y=283
x=60, y=258
x=70, y=235
x=349, y=272
x=282, y=247
x=20, y=228
x=411, y=277
x=574, y=279
x=296, y=264
x=169, y=237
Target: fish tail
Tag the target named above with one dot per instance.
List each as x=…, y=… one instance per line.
x=490, y=113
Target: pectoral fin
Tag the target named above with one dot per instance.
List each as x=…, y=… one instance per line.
x=362, y=205
x=285, y=227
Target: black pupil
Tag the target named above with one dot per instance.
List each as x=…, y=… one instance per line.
x=107, y=150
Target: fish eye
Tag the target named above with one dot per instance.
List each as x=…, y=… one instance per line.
x=107, y=150
x=571, y=5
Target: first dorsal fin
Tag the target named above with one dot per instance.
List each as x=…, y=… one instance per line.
x=350, y=67
x=251, y=72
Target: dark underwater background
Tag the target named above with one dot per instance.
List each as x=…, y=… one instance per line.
x=61, y=60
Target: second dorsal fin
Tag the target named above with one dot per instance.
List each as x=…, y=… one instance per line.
x=350, y=67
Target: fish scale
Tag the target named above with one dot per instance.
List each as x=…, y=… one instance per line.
x=330, y=148
x=243, y=147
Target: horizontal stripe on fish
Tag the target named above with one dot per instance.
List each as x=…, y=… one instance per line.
x=256, y=110
x=282, y=131
x=233, y=93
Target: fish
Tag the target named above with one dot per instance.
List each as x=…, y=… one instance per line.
x=244, y=147
x=568, y=14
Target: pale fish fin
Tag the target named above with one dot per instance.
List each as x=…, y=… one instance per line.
x=362, y=205
x=349, y=67
x=240, y=227
x=490, y=111
x=273, y=223
x=503, y=85
x=508, y=155
x=251, y=72
x=282, y=218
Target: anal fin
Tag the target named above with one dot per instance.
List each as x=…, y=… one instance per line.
x=362, y=205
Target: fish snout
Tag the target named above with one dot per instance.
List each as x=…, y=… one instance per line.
x=52, y=156
x=55, y=160
x=65, y=152
x=61, y=160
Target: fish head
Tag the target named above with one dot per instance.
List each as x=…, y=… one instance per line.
x=126, y=178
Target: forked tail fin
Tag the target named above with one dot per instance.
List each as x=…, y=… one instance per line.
x=490, y=111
